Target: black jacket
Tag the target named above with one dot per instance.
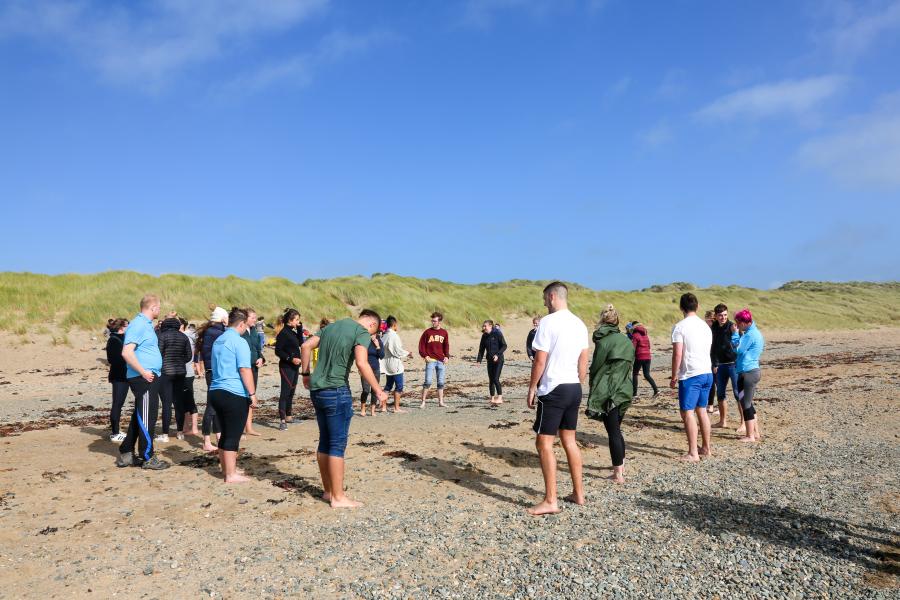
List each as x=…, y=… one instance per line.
x=721, y=351
x=175, y=348
x=528, y=342
x=210, y=336
x=287, y=346
x=492, y=344
x=117, y=364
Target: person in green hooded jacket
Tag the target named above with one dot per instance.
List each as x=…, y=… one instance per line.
x=611, y=385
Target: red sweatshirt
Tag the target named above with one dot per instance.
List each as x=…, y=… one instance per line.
x=434, y=343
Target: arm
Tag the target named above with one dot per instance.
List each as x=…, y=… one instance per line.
x=422, y=339
x=502, y=344
x=361, y=355
x=379, y=348
x=480, y=349
x=446, y=347
x=132, y=361
x=305, y=354
x=582, y=365
x=677, y=353
x=186, y=349
x=247, y=379
x=537, y=369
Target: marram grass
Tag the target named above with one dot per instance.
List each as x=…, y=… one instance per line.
x=29, y=300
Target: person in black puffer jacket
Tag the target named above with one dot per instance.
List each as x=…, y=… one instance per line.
x=493, y=344
x=176, y=351
x=207, y=335
x=117, y=376
x=287, y=348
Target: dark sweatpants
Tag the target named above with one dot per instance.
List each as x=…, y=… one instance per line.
x=143, y=421
x=494, y=369
x=171, y=390
x=119, y=395
x=210, y=421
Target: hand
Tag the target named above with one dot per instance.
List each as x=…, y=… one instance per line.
x=496, y=358
x=715, y=370
x=446, y=360
x=254, y=403
x=149, y=376
x=734, y=328
x=381, y=395
x=295, y=361
x=530, y=398
x=673, y=382
x=196, y=370
x=306, y=381
x=259, y=363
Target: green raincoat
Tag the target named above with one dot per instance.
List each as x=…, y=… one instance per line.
x=610, y=380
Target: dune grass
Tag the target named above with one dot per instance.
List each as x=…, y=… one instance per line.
x=29, y=301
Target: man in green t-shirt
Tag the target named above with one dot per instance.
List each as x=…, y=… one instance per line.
x=340, y=345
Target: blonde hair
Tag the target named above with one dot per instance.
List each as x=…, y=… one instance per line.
x=710, y=314
x=610, y=316
x=149, y=300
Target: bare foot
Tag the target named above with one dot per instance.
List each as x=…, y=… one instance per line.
x=237, y=478
x=574, y=499
x=619, y=479
x=251, y=432
x=326, y=496
x=210, y=448
x=720, y=425
x=706, y=452
x=195, y=432
x=345, y=502
x=748, y=440
x=741, y=430
x=399, y=410
x=423, y=405
x=289, y=419
x=363, y=414
x=442, y=405
x=544, y=508
x=689, y=458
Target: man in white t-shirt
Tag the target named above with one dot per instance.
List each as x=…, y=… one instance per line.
x=557, y=372
x=692, y=374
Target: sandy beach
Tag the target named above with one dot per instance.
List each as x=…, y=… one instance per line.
x=809, y=512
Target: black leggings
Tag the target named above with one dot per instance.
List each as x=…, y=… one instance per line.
x=747, y=383
x=645, y=365
x=494, y=369
x=184, y=402
x=210, y=420
x=170, y=392
x=367, y=389
x=613, y=423
x=119, y=395
x=232, y=411
x=289, y=374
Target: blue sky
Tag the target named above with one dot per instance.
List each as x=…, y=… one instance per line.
x=613, y=143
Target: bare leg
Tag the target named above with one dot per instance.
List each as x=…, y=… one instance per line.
x=362, y=408
x=573, y=456
x=248, y=428
x=336, y=474
x=690, y=428
x=544, y=445
x=424, y=396
x=723, y=415
x=705, y=432
x=322, y=459
x=752, y=435
x=397, y=408
x=228, y=460
x=441, y=397
x=208, y=445
x=194, y=418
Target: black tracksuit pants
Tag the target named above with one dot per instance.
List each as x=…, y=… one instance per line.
x=494, y=369
x=210, y=420
x=143, y=421
x=119, y=395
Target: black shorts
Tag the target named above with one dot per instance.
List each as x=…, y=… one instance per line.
x=232, y=411
x=558, y=409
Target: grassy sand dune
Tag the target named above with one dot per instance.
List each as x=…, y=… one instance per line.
x=29, y=300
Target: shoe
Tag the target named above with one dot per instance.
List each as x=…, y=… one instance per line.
x=163, y=437
x=655, y=394
x=125, y=460
x=154, y=464
x=283, y=427
x=179, y=435
x=117, y=437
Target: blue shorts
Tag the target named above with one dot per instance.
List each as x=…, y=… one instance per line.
x=334, y=410
x=394, y=383
x=693, y=392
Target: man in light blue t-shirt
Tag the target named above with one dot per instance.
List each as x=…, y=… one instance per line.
x=141, y=353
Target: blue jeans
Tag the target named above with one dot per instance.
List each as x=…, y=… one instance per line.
x=430, y=367
x=723, y=374
x=334, y=410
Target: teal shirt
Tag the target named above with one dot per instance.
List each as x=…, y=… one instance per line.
x=146, y=345
x=230, y=352
x=749, y=348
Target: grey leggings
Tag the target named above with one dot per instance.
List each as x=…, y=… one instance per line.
x=746, y=386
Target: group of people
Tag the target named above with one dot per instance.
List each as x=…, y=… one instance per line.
x=156, y=364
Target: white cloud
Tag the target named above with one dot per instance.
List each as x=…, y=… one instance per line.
x=858, y=31
x=298, y=70
x=864, y=149
x=658, y=135
x=146, y=44
x=796, y=97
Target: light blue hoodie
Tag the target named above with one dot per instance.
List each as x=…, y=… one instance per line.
x=749, y=347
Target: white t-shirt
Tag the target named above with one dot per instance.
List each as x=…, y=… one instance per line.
x=562, y=336
x=696, y=337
